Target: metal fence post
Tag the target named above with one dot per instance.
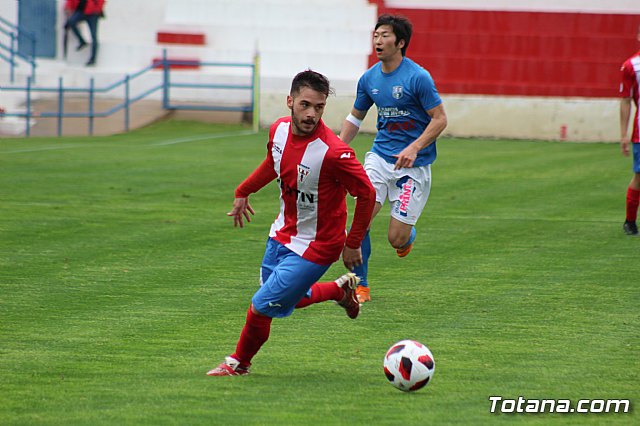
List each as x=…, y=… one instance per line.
x=27, y=117
x=12, y=57
x=165, y=80
x=60, y=106
x=126, y=103
x=91, y=89
x=32, y=58
x=33, y=69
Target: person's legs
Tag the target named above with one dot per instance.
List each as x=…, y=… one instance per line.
x=362, y=270
x=633, y=195
x=379, y=172
x=285, y=279
x=72, y=24
x=633, y=198
x=92, y=21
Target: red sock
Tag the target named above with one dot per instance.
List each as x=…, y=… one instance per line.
x=321, y=292
x=254, y=334
x=633, y=199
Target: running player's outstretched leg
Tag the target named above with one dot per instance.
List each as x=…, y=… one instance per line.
x=342, y=291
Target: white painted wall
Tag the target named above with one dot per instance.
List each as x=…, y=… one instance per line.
x=9, y=10
x=551, y=118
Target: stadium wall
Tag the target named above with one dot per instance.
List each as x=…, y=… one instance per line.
x=529, y=69
x=542, y=69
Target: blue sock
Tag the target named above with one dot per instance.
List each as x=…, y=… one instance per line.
x=412, y=237
x=362, y=270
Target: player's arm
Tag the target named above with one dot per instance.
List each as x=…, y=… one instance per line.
x=625, y=114
x=260, y=177
x=436, y=126
x=351, y=125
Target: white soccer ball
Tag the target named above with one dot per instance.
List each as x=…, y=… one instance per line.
x=409, y=365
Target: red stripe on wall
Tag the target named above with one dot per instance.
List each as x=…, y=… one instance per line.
x=180, y=38
x=521, y=53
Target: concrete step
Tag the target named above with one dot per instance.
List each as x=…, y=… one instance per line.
x=141, y=113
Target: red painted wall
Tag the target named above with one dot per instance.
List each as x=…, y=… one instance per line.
x=521, y=53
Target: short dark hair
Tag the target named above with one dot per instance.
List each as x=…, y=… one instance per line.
x=402, y=28
x=313, y=80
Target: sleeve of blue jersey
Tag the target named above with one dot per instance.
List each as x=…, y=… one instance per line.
x=427, y=92
x=363, y=101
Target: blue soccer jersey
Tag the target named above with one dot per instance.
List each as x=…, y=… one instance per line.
x=402, y=97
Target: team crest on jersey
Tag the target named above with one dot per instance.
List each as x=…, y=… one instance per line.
x=303, y=172
x=397, y=92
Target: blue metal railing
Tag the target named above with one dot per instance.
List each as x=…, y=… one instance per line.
x=9, y=51
x=128, y=100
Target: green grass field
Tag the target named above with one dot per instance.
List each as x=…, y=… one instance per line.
x=122, y=281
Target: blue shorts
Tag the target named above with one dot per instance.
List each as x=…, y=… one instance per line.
x=285, y=278
x=636, y=157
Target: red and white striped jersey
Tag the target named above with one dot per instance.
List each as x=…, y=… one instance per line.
x=314, y=173
x=629, y=85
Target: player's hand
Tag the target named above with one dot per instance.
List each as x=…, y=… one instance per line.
x=406, y=158
x=241, y=209
x=351, y=257
x=624, y=146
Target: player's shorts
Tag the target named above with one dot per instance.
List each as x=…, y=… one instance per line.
x=406, y=189
x=636, y=157
x=285, y=278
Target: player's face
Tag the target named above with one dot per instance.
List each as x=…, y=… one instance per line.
x=307, y=107
x=384, y=43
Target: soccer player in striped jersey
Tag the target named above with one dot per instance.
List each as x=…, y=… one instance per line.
x=629, y=86
x=410, y=118
x=315, y=170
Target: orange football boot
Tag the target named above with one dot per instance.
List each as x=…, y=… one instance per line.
x=362, y=293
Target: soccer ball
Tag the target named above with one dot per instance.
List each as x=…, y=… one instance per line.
x=409, y=365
